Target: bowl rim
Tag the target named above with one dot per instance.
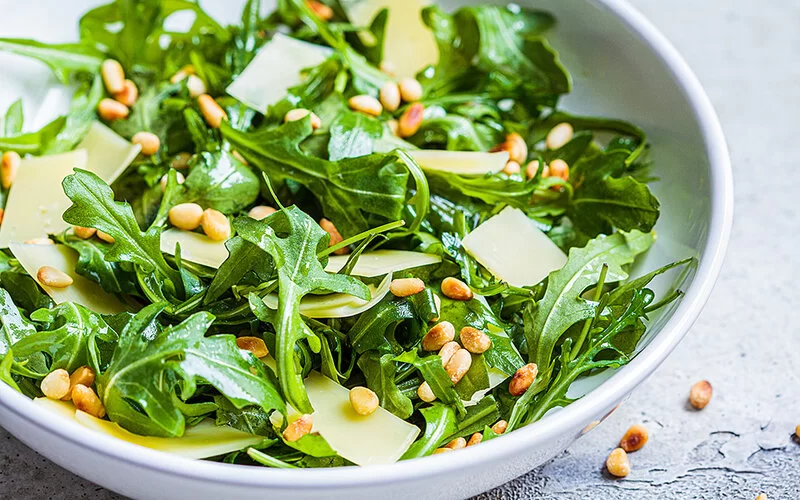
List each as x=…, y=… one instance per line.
x=576, y=414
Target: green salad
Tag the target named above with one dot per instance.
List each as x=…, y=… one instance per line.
x=269, y=243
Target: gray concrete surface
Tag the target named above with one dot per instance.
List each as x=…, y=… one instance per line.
x=746, y=55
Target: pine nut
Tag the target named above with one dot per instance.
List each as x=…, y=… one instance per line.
x=211, y=110
x=365, y=104
x=438, y=336
x=447, y=351
x=52, y=277
x=406, y=287
x=196, y=86
x=2, y=214
x=700, y=394
x=56, y=384
x=411, y=120
x=454, y=288
x=215, y=225
x=441, y=450
x=113, y=76
x=164, y=178
x=474, y=340
x=105, y=236
x=363, y=400
x=475, y=439
x=522, y=379
x=181, y=161
x=458, y=365
x=319, y=9
x=111, y=110
x=336, y=236
x=438, y=303
x=517, y=148
x=500, y=427
x=182, y=73
x=186, y=216
x=84, y=376
x=260, y=212
x=40, y=241
x=298, y=428
x=387, y=67
x=299, y=114
x=9, y=168
x=129, y=94
x=797, y=431
x=85, y=399
x=559, y=135
x=148, y=141
x=617, y=463
x=425, y=393
x=254, y=345
x=84, y=232
x=390, y=96
x=533, y=167
x=559, y=168
x=634, y=439
x=512, y=168
x=762, y=496
x=457, y=444
x=410, y=90
x=394, y=126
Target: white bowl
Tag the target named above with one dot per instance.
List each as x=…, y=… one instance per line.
x=624, y=68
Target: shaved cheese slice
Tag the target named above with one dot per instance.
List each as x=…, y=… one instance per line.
x=108, y=154
x=82, y=291
x=460, y=162
x=409, y=44
x=496, y=377
x=380, y=262
x=336, y=305
x=36, y=199
x=513, y=249
x=276, y=68
x=195, y=247
x=203, y=440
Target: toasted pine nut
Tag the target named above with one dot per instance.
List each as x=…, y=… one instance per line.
x=447, y=351
x=260, y=212
x=387, y=67
x=558, y=168
x=441, y=450
x=700, y=394
x=394, y=126
x=254, y=345
x=458, y=365
x=438, y=336
x=299, y=114
x=438, y=303
x=559, y=136
x=533, y=167
x=475, y=439
x=129, y=94
x=82, y=375
x=365, y=104
x=457, y=444
x=390, y=96
x=164, y=178
x=9, y=168
x=617, y=463
x=425, y=393
x=454, y=288
x=215, y=225
x=516, y=147
x=364, y=401
x=105, y=236
x=40, y=241
x=474, y=340
x=405, y=287
x=336, y=236
x=52, y=277
x=196, y=86
x=182, y=73
x=797, y=431
x=410, y=90
x=56, y=384
x=148, y=141
x=211, y=110
x=298, y=428
x=181, y=161
x=84, y=232
x=2, y=214
x=522, y=379
x=85, y=399
x=111, y=110
x=321, y=10
x=113, y=76
x=411, y=120
x=511, y=168
x=186, y=216
x=762, y=496
x=634, y=439
x=500, y=427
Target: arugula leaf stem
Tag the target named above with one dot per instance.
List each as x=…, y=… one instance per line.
x=360, y=236
x=598, y=291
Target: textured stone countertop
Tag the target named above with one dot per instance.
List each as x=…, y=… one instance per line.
x=747, y=56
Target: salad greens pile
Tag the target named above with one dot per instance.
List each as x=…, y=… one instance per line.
x=172, y=360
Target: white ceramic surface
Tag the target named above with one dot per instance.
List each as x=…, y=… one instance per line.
x=622, y=67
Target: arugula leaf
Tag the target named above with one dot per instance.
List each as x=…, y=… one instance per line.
x=244, y=258
x=82, y=113
x=479, y=416
x=113, y=276
x=219, y=181
x=440, y=422
x=34, y=142
x=11, y=123
x=24, y=291
x=63, y=59
x=252, y=419
x=15, y=327
x=434, y=374
x=380, y=371
x=353, y=135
